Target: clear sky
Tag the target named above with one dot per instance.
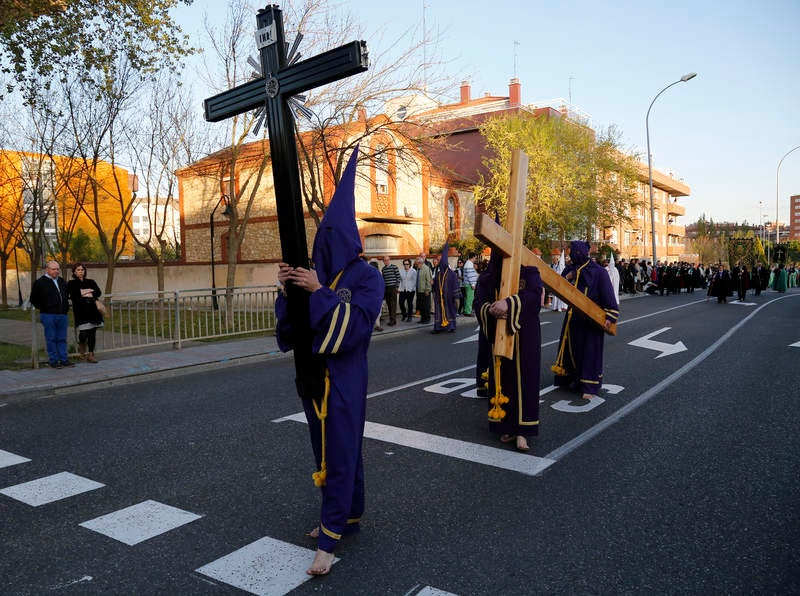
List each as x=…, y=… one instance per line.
x=724, y=132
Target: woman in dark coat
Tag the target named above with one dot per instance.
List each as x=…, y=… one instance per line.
x=83, y=293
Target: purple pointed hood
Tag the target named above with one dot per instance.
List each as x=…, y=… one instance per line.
x=337, y=242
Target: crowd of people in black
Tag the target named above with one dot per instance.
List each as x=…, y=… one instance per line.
x=719, y=281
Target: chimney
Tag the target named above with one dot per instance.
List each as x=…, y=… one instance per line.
x=464, y=92
x=515, y=92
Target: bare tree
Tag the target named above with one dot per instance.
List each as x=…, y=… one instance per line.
x=97, y=123
x=336, y=114
x=165, y=139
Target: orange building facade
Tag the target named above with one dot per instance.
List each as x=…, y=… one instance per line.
x=57, y=194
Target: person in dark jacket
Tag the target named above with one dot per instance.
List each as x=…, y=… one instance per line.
x=49, y=295
x=84, y=292
x=720, y=286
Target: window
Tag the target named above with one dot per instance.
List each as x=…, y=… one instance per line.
x=451, y=214
x=381, y=170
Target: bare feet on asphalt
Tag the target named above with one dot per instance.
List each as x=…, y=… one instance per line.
x=321, y=564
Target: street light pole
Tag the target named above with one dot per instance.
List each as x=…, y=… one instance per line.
x=683, y=79
x=214, y=302
x=777, y=195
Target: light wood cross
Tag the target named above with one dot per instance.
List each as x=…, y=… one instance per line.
x=509, y=243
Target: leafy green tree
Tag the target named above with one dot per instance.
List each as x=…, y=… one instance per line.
x=82, y=247
x=577, y=178
x=44, y=40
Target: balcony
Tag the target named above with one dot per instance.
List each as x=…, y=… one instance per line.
x=676, y=230
x=675, y=209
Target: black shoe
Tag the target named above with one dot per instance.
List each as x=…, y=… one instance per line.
x=392, y=323
x=56, y=365
x=452, y=331
x=67, y=363
x=435, y=332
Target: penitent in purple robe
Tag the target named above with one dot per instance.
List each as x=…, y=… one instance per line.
x=444, y=290
x=579, y=364
x=519, y=377
x=342, y=314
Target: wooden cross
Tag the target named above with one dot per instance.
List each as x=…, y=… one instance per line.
x=516, y=254
x=280, y=82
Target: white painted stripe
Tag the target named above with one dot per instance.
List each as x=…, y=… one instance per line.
x=429, y=591
x=472, y=452
x=141, y=522
x=267, y=567
x=50, y=488
x=393, y=389
x=659, y=312
x=642, y=399
x=794, y=345
x=10, y=459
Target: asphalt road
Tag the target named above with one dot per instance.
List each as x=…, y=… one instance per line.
x=679, y=478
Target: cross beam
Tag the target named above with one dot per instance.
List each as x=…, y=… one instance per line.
x=498, y=238
x=282, y=80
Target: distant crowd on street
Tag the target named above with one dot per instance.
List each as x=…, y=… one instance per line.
x=720, y=282
x=414, y=290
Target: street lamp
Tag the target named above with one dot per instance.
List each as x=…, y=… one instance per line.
x=683, y=79
x=226, y=211
x=777, y=195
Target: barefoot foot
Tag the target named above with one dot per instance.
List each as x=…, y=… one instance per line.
x=522, y=444
x=587, y=396
x=321, y=564
x=313, y=532
x=507, y=438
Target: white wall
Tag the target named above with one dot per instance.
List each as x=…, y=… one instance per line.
x=142, y=278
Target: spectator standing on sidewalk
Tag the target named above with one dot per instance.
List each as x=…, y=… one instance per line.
x=470, y=280
x=424, y=285
x=408, y=287
x=391, y=278
x=84, y=292
x=49, y=295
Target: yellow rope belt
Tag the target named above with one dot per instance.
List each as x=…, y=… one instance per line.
x=322, y=414
x=442, y=278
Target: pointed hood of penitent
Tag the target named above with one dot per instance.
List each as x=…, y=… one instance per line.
x=338, y=242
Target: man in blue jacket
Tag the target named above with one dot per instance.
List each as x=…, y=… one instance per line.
x=49, y=295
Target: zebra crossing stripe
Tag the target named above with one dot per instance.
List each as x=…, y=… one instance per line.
x=140, y=522
x=267, y=567
x=50, y=488
x=10, y=459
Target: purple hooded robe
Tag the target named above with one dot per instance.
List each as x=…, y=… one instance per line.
x=519, y=377
x=342, y=314
x=579, y=364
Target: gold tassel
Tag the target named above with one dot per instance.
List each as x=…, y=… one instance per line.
x=322, y=414
x=497, y=413
x=442, y=278
x=558, y=368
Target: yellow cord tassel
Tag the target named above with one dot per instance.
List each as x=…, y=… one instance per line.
x=558, y=367
x=497, y=412
x=322, y=414
x=442, y=278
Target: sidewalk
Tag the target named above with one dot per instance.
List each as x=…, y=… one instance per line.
x=116, y=368
x=121, y=368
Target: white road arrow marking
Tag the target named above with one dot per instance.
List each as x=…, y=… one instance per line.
x=659, y=346
x=743, y=303
x=795, y=345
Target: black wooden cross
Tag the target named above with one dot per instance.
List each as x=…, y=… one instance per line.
x=272, y=91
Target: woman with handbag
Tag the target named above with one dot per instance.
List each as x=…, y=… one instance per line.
x=83, y=293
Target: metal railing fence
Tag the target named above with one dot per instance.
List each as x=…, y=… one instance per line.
x=141, y=319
